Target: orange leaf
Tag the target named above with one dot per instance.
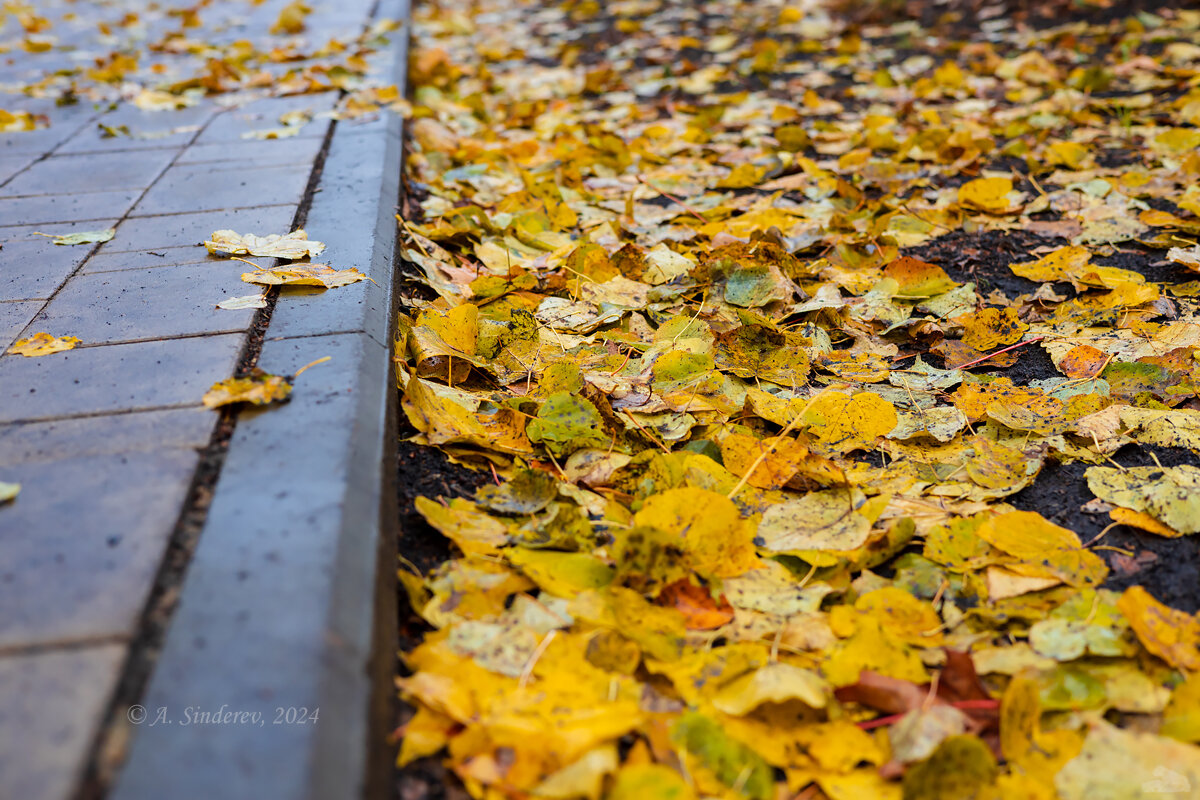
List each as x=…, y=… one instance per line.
x=1172, y=635
x=703, y=613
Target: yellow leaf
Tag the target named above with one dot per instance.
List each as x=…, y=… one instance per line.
x=841, y=424
x=1171, y=495
x=870, y=647
x=708, y=527
x=1172, y=635
x=909, y=619
x=650, y=782
x=9, y=491
x=291, y=18
x=475, y=532
x=42, y=344
x=991, y=195
x=305, y=275
x=258, y=389
x=1117, y=764
x=290, y=246
x=1142, y=521
x=991, y=327
x=775, y=683
x=825, y=520
x=1042, y=549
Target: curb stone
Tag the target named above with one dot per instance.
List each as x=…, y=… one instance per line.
x=288, y=604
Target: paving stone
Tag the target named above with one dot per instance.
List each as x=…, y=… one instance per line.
x=180, y=230
x=276, y=611
x=51, y=706
x=264, y=114
x=166, y=257
x=117, y=433
x=13, y=319
x=81, y=173
x=12, y=164
x=51, y=208
x=147, y=259
x=64, y=124
x=250, y=154
x=34, y=267
x=82, y=543
x=151, y=131
x=204, y=188
x=90, y=380
x=132, y=305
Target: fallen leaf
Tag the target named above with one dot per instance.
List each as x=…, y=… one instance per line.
x=258, y=388
x=243, y=302
x=81, y=237
x=43, y=344
x=290, y=246
x=1172, y=635
x=304, y=275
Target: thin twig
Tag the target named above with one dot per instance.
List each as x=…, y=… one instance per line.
x=998, y=352
x=674, y=199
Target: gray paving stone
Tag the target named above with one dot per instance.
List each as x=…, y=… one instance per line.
x=264, y=114
x=81, y=173
x=13, y=319
x=182, y=230
x=277, y=606
x=353, y=214
x=117, y=433
x=148, y=259
x=12, y=164
x=132, y=305
x=64, y=124
x=50, y=708
x=113, y=378
x=150, y=131
x=251, y=154
x=51, y=208
x=33, y=267
x=82, y=543
x=203, y=187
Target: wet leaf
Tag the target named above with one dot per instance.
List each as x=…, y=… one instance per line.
x=1170, y=495
x=244, y=302
x=1168, y=633
x=289, y=246
x=43, y=344
x=258, y=388
x=80, y=237
x=305, y=275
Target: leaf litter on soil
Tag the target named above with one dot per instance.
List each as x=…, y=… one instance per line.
x=760, y=326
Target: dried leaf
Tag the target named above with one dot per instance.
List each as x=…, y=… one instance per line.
x=290, y=246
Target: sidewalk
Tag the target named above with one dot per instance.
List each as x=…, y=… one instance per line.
x=124, y=474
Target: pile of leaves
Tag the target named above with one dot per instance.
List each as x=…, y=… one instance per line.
x=693, y=289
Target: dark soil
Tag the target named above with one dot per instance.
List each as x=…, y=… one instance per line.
x=1168, y=568
x=984, y=258
x=428, y=472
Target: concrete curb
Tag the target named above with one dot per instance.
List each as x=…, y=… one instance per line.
x=287, y=611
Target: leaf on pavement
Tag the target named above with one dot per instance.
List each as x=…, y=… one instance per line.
x=258, y=389
x=305, y=275
x=290, y=246
x=43, y=344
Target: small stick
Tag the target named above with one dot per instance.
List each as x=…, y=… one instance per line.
x=998, y=352
x=675, y=200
